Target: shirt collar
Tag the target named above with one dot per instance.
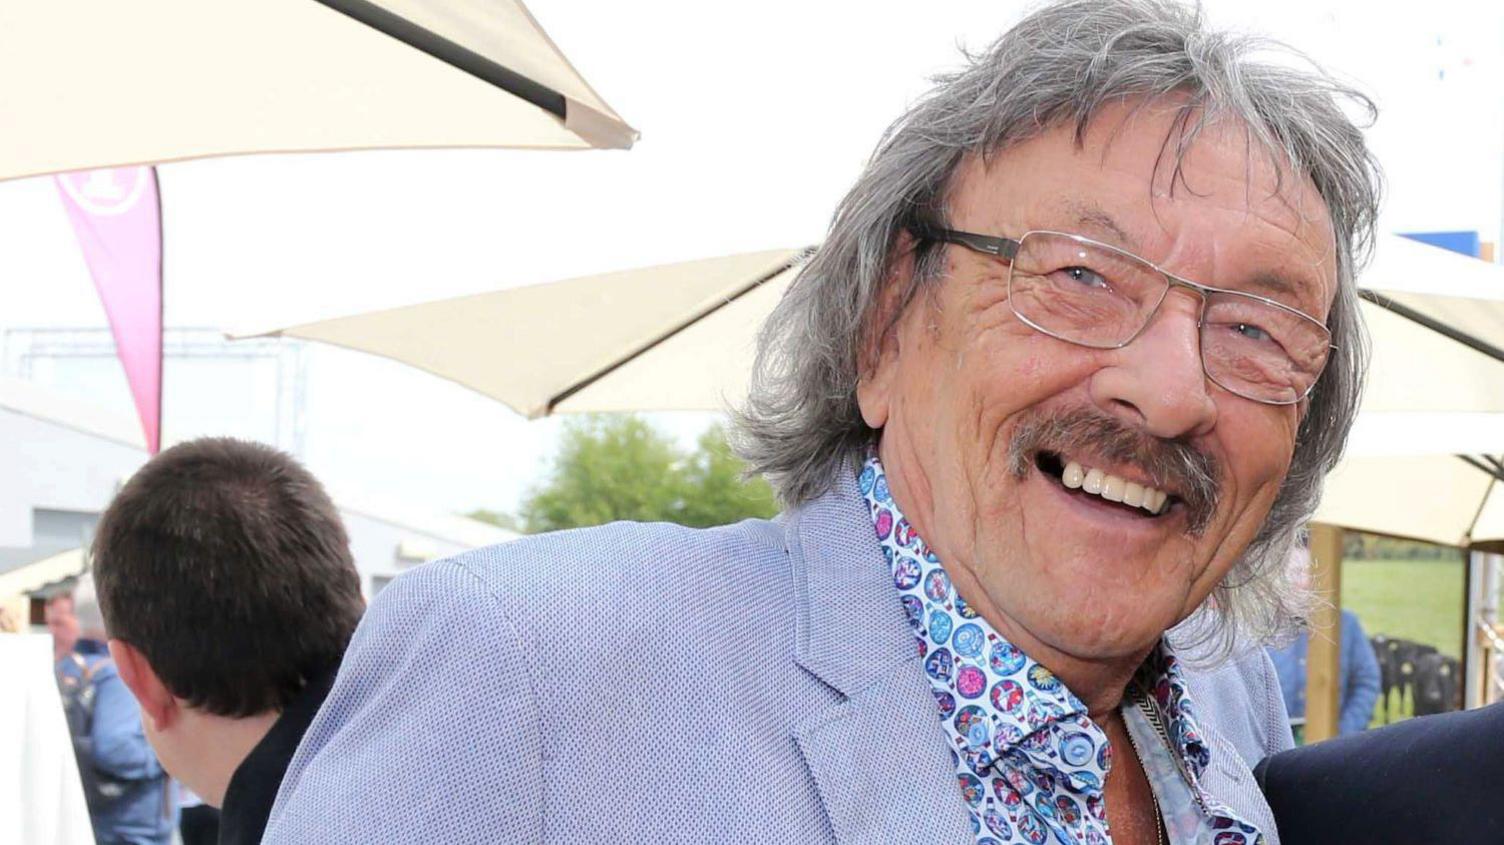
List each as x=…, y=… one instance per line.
x=1028, y=713
x=1168, y=696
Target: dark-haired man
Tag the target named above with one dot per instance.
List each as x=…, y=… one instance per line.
x=229, y=593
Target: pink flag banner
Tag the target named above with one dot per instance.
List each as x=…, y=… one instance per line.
x=117, y=215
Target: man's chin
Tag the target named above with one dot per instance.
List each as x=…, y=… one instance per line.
x=1093, y=634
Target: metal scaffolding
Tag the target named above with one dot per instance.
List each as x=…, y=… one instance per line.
x=25, y=348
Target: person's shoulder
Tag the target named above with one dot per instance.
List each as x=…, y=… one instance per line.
x=1352, y=626
x=102, y=668
x=1239, y=697
x=621, y=557
x=1465, y=743
x=1367, y=786
x=95, y=665
x=611, y=572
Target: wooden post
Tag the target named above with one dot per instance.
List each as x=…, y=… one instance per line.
x=1323, y=655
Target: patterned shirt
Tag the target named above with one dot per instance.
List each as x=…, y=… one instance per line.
x=1030, y=762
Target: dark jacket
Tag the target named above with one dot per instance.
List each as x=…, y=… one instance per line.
x=1432, y=779
x=253, y=788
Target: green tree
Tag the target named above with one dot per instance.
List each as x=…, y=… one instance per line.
x=500, y=519
x=715, y=490
x=620, y=467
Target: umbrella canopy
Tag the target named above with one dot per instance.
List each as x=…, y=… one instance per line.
x=1427, y=475
x=1438, y=498
x=675, y=337
x=167, y=80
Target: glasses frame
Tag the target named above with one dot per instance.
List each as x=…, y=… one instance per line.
x=1007, y=249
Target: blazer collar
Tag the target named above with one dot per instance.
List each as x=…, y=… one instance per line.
x=877, y=755
x=851, y=631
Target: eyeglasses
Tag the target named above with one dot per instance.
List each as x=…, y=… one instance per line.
x=1091, y=294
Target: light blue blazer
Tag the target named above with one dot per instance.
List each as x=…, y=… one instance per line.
x=651, y=683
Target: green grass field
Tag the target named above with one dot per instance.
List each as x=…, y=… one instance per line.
x=1419, y=600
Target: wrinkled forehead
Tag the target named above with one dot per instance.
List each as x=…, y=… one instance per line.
x=1196, y=144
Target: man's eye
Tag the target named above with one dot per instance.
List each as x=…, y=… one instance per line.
x=1252, y=332
x=1086, y=277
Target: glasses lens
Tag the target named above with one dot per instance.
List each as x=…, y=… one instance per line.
x=1261, y=351
x=1094, y=295
x=1082, y=292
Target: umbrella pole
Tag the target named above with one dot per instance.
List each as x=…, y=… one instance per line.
x=1323, y=655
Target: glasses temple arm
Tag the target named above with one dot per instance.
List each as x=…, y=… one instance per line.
x=1001, y=247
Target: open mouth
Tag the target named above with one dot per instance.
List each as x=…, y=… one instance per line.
x=1130, y=497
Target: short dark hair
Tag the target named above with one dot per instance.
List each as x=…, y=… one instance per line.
x=226, y=565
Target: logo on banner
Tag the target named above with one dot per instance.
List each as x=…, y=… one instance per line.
x=107, y=192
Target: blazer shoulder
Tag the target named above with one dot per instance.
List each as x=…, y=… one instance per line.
x=400, y=725
x=606, y=562
x=1240, y=699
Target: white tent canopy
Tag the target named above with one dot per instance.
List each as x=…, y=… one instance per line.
x=1403, y=475
x=166, y=80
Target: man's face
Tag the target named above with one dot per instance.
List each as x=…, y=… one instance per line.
x=959, y=376
x=63, y=625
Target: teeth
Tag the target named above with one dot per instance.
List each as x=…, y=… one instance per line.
x=1113, y=488
x=1159, y=501
x=1093, y=482
x=1073, y=475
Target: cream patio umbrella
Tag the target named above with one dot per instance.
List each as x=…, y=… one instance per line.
x=673, y=337
x=1438, y=478
x=100, y=84
x=99, y=93
x=1424, y=460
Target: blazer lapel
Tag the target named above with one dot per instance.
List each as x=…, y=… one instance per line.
x=878, y=756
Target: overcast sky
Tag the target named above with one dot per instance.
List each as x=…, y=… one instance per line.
x=754, y=119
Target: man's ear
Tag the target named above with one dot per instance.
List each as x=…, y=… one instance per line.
x=158, y=704
x=878, y=361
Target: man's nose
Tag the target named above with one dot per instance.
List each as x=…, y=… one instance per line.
x=1157, y=382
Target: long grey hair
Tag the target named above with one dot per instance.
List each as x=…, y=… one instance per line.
x=1059, y=67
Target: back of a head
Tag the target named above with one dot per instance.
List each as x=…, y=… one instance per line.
x=226, y=565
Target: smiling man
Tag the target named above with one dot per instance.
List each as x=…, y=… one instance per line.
x=1066, y=374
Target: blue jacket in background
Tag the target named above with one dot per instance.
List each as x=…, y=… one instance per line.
x=146, y=813
x=1360, y=676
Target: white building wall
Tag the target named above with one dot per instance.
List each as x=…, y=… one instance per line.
x=379, y=547
x=61, y=455
x=56, y=466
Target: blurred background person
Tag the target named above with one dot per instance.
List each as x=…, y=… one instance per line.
x=57, y=613
x=129, y=795
x=1360, y=679
x=230, y=590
